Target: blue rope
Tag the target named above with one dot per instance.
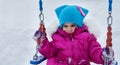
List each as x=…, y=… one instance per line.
x=40, y=5
x=110, y=5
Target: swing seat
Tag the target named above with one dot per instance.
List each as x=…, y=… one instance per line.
x=114, y=62
x=38, y=61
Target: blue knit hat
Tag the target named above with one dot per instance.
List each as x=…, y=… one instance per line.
x=72, y=14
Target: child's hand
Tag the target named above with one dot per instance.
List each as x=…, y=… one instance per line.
x=37, y=35
x=108, y=53
x=40, y=34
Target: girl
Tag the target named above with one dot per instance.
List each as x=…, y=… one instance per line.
x=72, y=44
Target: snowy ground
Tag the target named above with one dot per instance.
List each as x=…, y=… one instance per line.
x=19, y=20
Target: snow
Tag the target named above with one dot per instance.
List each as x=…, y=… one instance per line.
x=19, y=20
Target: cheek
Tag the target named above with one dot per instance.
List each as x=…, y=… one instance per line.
x=64, y=29
x=73, y=28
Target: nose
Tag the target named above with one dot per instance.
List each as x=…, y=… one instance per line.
x=70, y=29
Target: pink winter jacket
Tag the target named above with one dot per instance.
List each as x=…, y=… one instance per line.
x=80, y=48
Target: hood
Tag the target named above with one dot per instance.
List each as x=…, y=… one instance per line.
x=90, y=22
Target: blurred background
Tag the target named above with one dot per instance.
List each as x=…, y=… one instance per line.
x=19, y=19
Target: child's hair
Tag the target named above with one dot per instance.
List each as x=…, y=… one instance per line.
x=71, y=13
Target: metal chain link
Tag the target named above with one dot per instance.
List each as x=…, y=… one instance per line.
x=110, y=19
x=41, y=17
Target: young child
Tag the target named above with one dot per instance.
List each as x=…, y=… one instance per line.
x=72, y=43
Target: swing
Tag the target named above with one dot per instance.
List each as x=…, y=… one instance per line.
x=109, y=34
x=38, y=37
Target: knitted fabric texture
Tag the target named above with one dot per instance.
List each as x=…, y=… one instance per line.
x=71, y=14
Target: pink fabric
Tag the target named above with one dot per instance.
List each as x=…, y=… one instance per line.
x=77, y=49
x=81, y=11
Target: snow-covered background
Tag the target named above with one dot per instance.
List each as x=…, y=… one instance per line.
x=19, y=20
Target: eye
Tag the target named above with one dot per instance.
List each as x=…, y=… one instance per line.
x=65, y=26
x=73, y=25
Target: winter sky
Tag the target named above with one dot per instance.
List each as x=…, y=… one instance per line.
x=19, y=20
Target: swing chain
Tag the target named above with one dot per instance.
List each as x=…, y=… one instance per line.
x=109, y=30
x=41, y=17
x=109, y=22
x=110, y=19
x=35, y=57
x=41, y=28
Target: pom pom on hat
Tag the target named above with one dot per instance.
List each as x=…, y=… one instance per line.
x=72, y=14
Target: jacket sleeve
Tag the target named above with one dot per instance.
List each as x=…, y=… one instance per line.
x=95, y=50
x=48, y=49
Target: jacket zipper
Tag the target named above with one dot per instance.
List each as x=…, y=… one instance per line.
x=71, y=48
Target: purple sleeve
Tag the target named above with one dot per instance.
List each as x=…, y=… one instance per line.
x=47, y=49
x=95, y=50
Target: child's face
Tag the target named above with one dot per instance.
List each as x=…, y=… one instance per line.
x=69, y=27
